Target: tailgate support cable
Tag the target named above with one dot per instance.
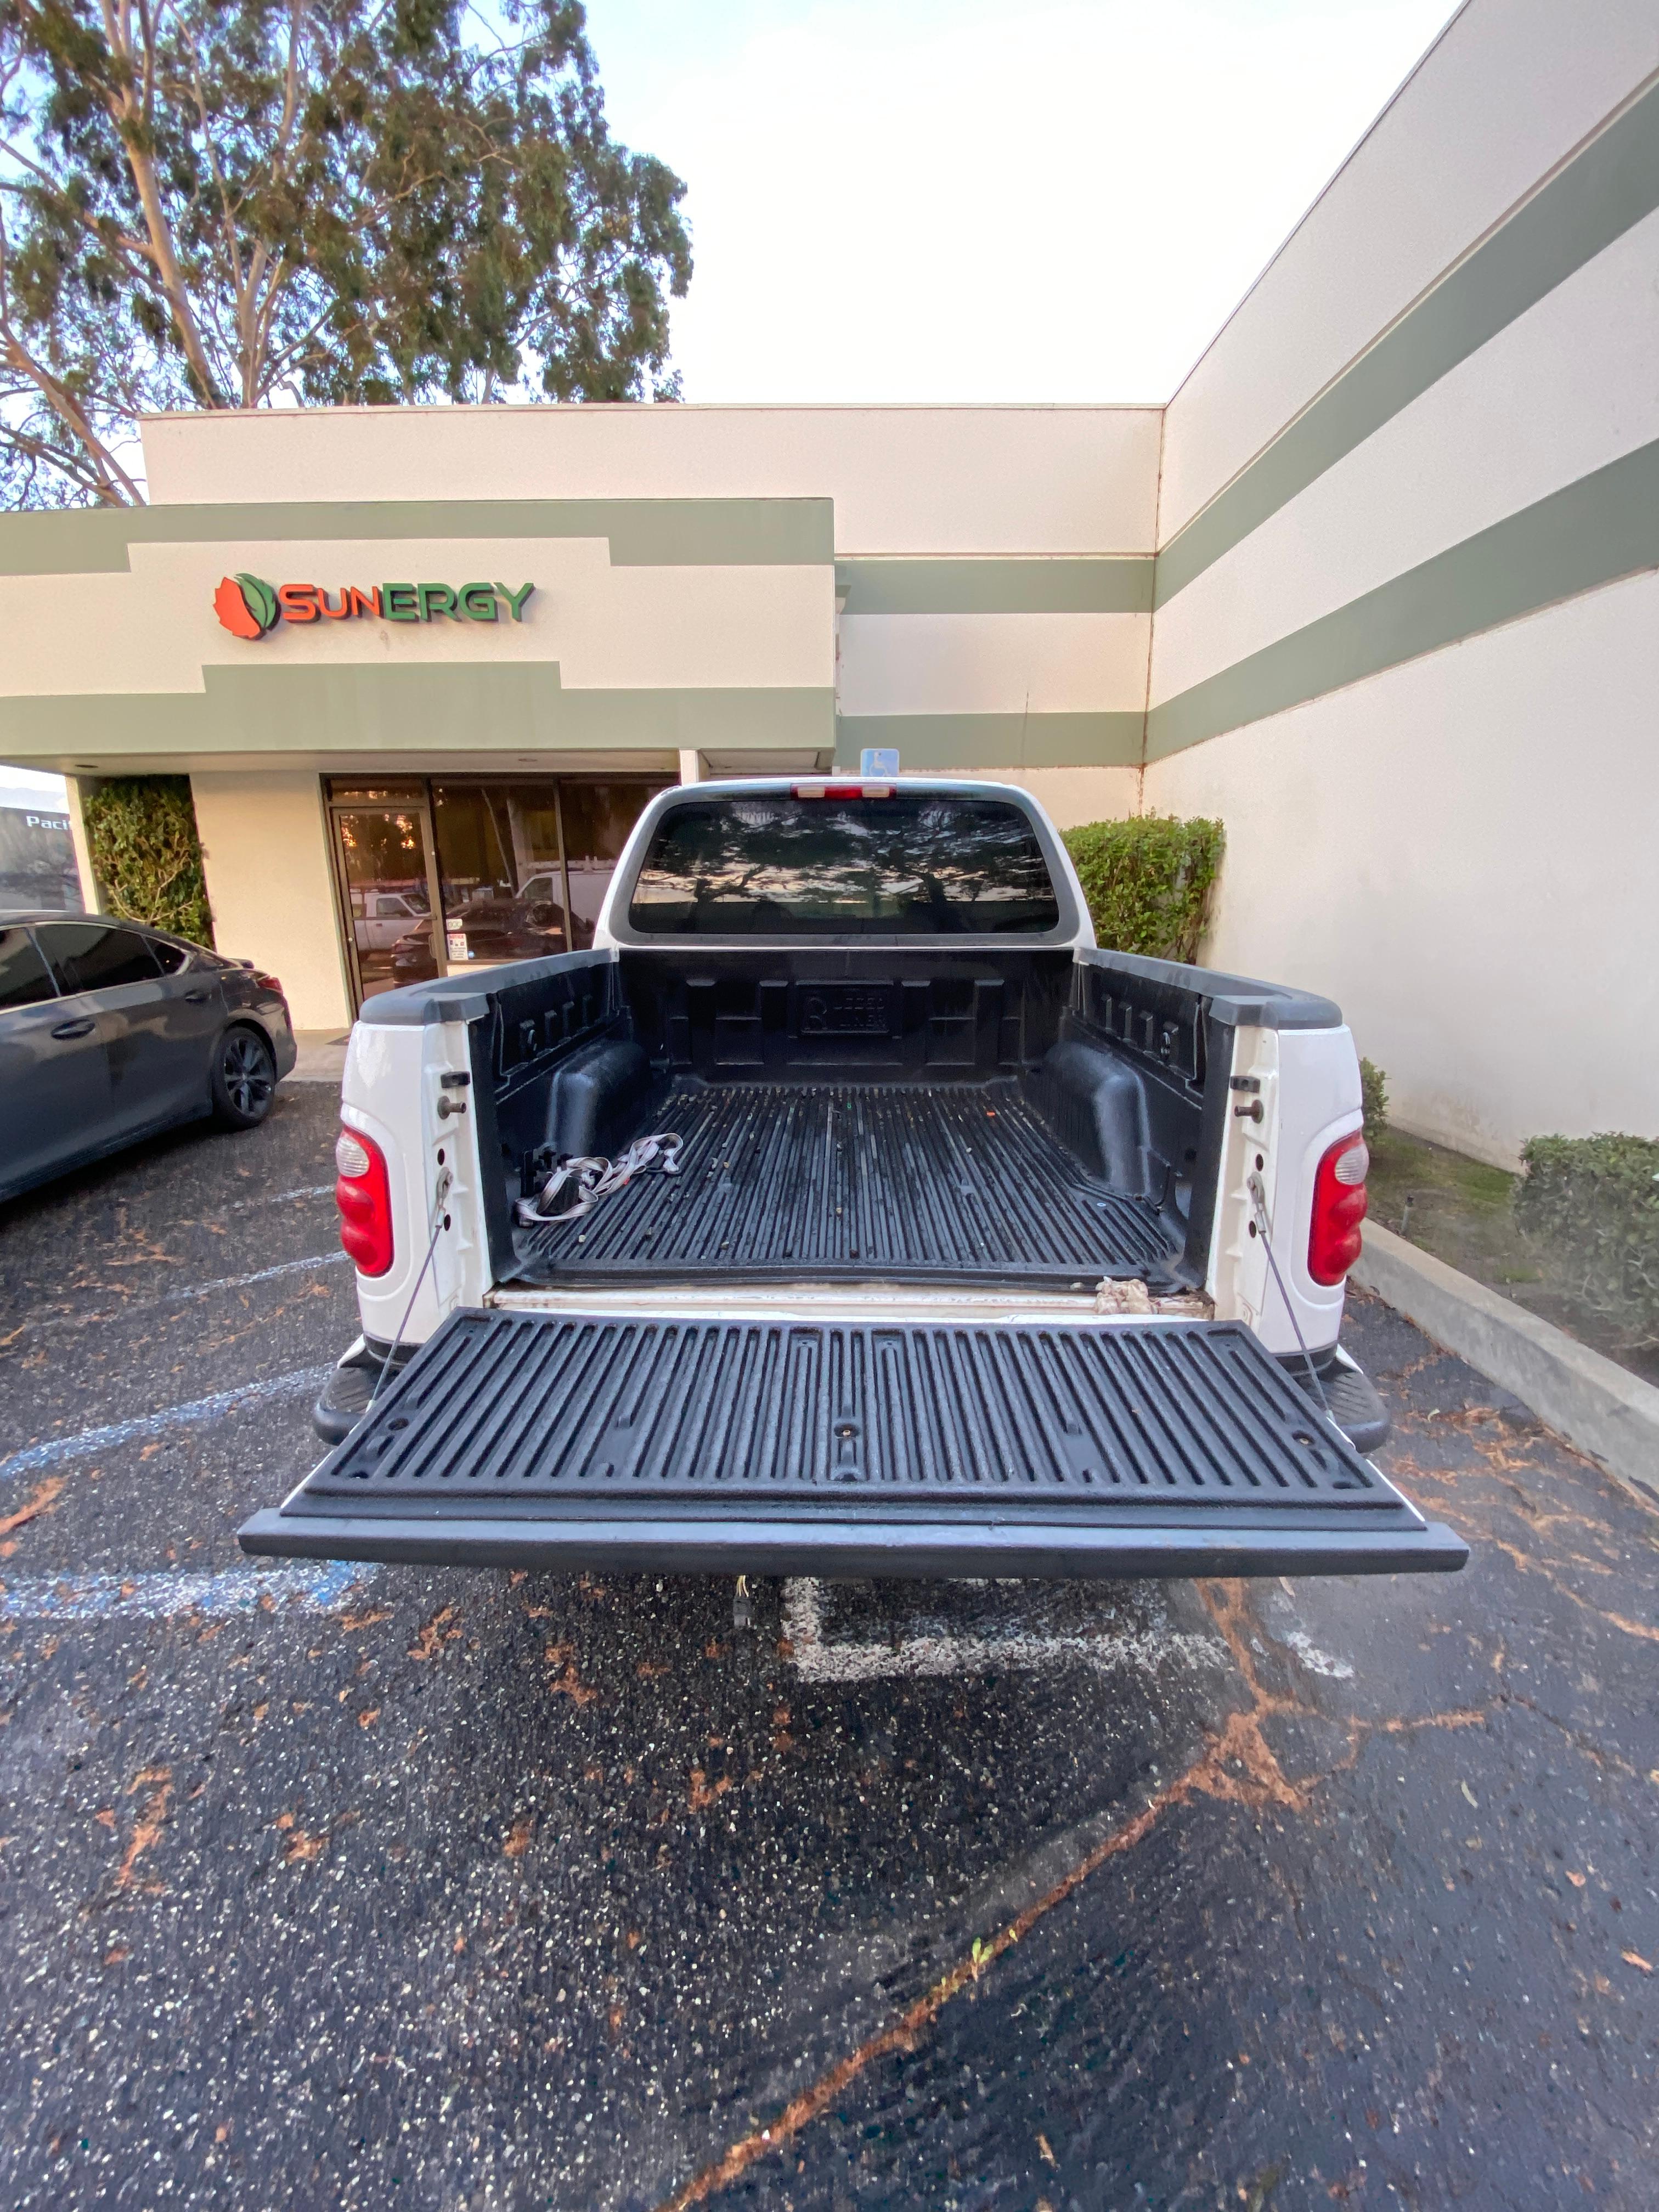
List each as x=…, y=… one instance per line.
x=440, y=1194
x=1258, y=1201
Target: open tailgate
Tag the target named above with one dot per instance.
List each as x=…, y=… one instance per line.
x=772, y=1445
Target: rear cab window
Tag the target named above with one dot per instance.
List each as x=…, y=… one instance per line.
x=88, y=956
x=25, y=979
x=915, y=864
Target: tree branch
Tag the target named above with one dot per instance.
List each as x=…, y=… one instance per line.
x=137, y=141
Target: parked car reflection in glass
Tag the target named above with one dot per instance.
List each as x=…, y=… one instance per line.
x=493, y=924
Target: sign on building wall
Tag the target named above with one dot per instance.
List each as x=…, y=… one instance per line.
x=250, y=608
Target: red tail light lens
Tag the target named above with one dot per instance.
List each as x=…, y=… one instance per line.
x=842, y=790
x=269, y=983
x=363, y=1194
x=1338, y=1207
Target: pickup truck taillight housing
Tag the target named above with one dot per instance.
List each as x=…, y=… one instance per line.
x=1338, y=1207
x=363, y=1191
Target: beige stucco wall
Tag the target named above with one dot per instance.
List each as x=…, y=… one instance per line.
x=1565, y=388
x=266, y=847
x=1006, y=664
x=1071, y=796
x=607, y=627
x=1460, y=852
x=904, y=479
x=83, y=868
x=1507, y=92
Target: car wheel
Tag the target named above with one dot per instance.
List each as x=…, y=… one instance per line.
x=244, y=1079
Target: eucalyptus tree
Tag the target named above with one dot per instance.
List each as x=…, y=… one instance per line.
x=238, y=204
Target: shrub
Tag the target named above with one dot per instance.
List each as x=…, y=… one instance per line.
x=1592, y=1205
x=140, y=833
x=1148, y=882
x=1373, y=1099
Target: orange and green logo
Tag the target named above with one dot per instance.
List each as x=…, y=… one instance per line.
x=246, y=605
x=251, y=608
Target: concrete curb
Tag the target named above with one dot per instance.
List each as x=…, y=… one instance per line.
x=1589, y=1399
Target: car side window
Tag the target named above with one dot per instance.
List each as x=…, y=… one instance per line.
x=169, y=958
x=25, y=979
x=90, y=955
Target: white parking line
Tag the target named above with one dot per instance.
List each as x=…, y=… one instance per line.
x=1317, y=1662
x=82, y=1444
x=164, y=1596
x=280, y=1197
x=186, y=1291
x=945, y=1651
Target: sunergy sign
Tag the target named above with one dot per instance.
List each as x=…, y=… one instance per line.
x=251, y=608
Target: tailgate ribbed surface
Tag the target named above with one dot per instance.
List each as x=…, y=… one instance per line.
x=852, y=1178
x=505, y=1410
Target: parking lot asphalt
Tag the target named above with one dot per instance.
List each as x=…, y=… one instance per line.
x=389, y=1888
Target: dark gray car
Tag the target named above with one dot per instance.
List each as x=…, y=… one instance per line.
x=110, y=1031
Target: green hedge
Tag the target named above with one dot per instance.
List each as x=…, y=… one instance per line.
x=140, y=833
x=1590, y=1205
x=1373, y=1098
x=1148, y=882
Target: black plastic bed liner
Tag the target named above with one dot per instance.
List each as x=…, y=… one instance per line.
x=946, y=1182
x=770, y=1445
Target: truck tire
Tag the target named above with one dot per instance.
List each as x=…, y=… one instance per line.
x=243, y=1078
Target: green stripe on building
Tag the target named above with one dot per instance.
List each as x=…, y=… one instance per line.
x=1109, y=584
x=452, y=709
x=1599, y=196
x=641, y=532
x=1604, y=526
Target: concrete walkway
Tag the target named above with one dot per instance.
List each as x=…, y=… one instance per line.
x=322, y=1056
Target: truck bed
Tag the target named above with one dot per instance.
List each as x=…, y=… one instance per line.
x=942, y=1181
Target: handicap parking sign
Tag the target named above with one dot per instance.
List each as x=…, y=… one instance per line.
x=879, y=760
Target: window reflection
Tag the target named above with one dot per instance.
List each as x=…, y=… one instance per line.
x=501, y=868
x=598, y=820
x=383, y=850
x=914, y=865
x=522, y=863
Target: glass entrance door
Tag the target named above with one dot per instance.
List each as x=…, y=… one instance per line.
x=383, y=853
x=439, y=875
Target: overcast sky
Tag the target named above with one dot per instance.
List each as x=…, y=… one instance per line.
x=948, y=200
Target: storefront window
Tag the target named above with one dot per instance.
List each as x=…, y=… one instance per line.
x=501, y=869
x=383, y=855
x=597, y=818
x=520, y=866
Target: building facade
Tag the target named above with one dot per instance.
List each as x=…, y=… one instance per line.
x=1378, y=588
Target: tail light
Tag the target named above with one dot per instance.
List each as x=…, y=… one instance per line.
x=269, y=983
x=363, y=1194
x=1338, y=1207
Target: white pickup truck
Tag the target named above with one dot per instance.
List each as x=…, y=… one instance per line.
x=847, y=1210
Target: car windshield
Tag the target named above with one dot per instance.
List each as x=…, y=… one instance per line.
x=917, y=864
